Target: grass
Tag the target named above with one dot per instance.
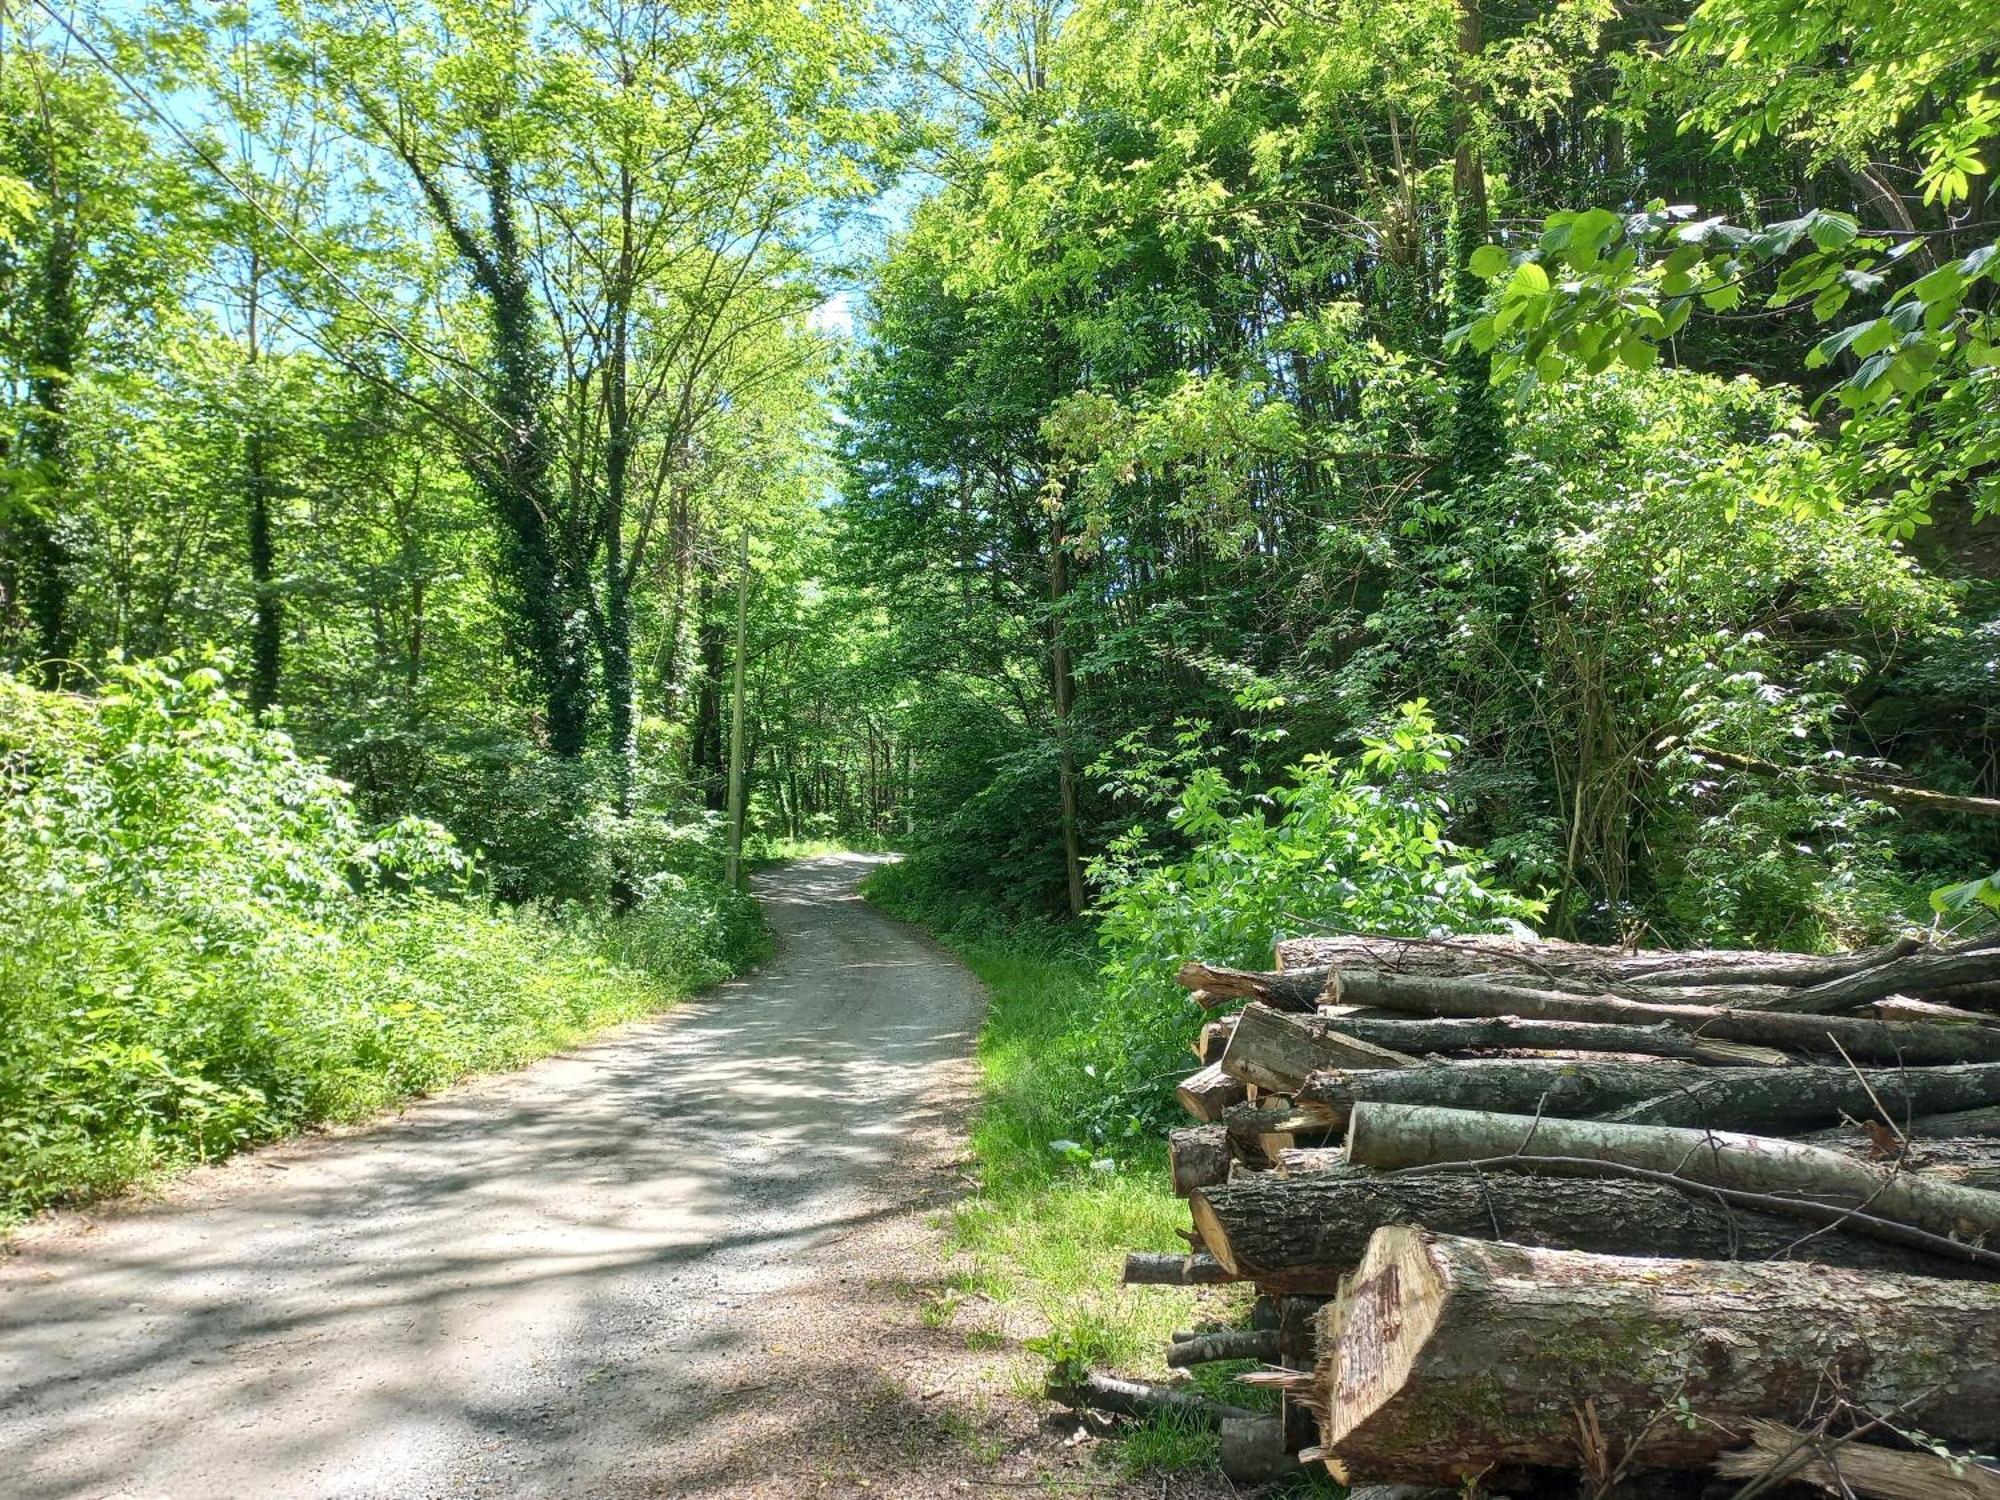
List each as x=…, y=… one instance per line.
x=763, y=849
x=1048, y=1230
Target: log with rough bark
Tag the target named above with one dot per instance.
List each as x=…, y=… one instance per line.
x=1252, y=1450
x=1303, y=1231
x=1750, y=1171
x=1486, y=955
x=1913, y=975
x=1572, y=1089
x=1799, y=1098
x=1843, y=1467
x=1863, y=1040
x=1134, y=1398
x=1227, y=1343
x=1281, y=991
x=1958, y=1122
x=1970, y=1159
x=1198, y=1156
x=1277, y=1052
x=1449, y=1356
x=1206, y=1094
x=1149, y=1268
x=1419, y=1036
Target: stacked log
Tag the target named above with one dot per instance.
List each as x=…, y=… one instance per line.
x=1565, y=1218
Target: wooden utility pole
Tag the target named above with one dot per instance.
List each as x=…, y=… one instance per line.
x=733, y=861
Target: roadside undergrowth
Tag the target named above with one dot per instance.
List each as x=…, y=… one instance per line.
x=1049, y=1226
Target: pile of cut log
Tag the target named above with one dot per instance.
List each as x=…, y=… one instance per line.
x=1542, y=1218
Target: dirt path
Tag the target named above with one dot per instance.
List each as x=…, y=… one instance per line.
x=688, y=1260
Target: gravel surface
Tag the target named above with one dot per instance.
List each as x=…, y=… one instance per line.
x=691, y=1259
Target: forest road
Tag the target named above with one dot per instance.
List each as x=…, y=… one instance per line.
x=686, y=1260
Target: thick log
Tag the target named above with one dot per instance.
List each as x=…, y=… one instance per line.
x=1253, y=1450
x=1149, y=1268
x=1785, y=1176
x=1418, y=1036
x=1134, y=1398
x=1302, y=1232
x=1260, y=1132
x=1839, y=1467
x=1297, y=991
x=1278, y=1052
x=1512, y=1085
x=1767, y=1102
x=1863, y=1040
x=1970, y=1159
x=1959, y=1122
x=1198, y=1156
x=1449, y=1356
x=1206, y=1094
x=1228, y=1343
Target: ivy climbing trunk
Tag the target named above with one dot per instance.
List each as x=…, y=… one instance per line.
x=45, y=574
x=1065, y=695
x=267, y=630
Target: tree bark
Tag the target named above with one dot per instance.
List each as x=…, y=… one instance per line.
x=1509, y=1033
x=1228, y=1343
x=1477, y=954
x=1852, y=1468
x=1786, y=1176
x=1279, y=1052
x=1800, y=1098
x=1133, y=1398
x=1452, y=1355
x=1914, y=975
x=1148, y=1268
x=1304, y=1231
x=1897, y=793
x=1206, y=1094
x=1297, y=990
x=1863, y=1040
x=1573, y=1090
x=1198, y=1156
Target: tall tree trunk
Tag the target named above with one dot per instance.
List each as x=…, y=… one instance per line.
x=45, y=557
x=1065, y=694
x=267, y=633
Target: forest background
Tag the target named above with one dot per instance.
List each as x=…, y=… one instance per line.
x=1286, y=466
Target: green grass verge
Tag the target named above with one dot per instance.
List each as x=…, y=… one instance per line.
x=1049, y=1228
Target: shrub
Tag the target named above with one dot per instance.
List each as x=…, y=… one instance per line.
x=207, y=947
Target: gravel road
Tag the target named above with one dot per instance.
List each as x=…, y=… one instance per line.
x=665, y=1264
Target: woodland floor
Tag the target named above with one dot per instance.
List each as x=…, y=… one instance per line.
x=693, y=1259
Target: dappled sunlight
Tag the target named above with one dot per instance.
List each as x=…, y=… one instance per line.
x=549, y=1272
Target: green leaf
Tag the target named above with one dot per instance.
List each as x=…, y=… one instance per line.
x=1487, y=262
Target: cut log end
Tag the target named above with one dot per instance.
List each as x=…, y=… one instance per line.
x=1392, y=1307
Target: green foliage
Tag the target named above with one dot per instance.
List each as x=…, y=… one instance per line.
x=207, y=946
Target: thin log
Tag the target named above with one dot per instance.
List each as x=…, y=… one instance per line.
x=1206, y=1094
x=1785, y=1176
x=1451, y=1356
x=1198, y=1156
x=1303, y=1231
x=1135, y=1398
x=1148, y=1268
x=1418, y=1036
x=1229, y=1343
x=1970, y=1159
x=1901, y=976
x=1903, y=1008
x=1863, y=1040
x=1740, y=1099
x=1213, y=1041
x=1785, y=1455
x=1278, y=1052
x=1513, y=1085
x=1867, y=784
